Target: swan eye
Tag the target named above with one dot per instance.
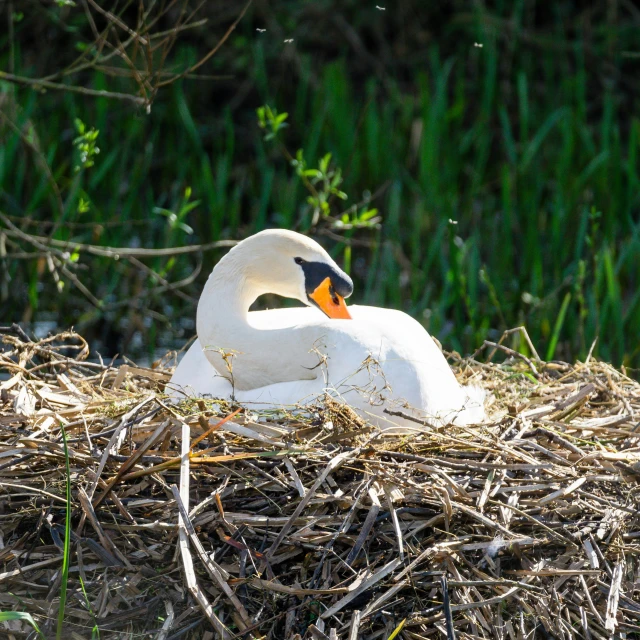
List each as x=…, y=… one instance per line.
x=332, y=293
x=298, y=260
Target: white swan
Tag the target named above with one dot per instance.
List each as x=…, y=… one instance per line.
x=373, y=358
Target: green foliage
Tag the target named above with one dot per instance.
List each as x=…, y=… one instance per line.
x=555, y=336
x=6, y=616
x=85, y=143
x=83, y=205
x=26, y=617
x=323, y=182
x=485, y=184
x=271, y=121
x=175, y=221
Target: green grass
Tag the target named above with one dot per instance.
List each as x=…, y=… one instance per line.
x=511, y=196
x=67, y=540
x=66, y=556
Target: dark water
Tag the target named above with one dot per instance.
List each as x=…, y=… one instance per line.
x=137, y=351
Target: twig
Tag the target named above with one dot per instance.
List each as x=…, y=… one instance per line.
x=381, y=573
x=510, y=352
x=41, y=83
x=213, y=51
x=332, y=466
x=112, y=252
x=113, y=18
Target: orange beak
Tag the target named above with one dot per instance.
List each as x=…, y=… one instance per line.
x=329, y=301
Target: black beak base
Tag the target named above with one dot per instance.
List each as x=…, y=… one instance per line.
x=316, y=272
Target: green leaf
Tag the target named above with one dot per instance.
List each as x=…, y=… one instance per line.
x=86, y=145
x=324, y=162
x=536, y=143
x=558, y=327
x=83, y=205
x=188, y=207
x=6, y=616
x=367, y=215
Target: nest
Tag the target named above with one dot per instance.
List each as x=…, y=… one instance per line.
x=203, y=520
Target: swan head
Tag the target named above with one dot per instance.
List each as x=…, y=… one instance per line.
x=294, y=266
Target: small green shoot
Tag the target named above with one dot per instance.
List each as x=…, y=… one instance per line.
x=95, y=631
x=271, y=121
x=67, y=539
x=85, y=143
x=175, y=221
x=83, y=205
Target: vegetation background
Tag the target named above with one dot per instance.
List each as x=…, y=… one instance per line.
x=497, y=140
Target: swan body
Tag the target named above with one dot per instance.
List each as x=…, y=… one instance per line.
x=375, y=359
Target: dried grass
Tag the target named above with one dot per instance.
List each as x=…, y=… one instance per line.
x=286, y=526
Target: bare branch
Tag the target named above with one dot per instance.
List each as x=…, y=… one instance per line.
x=51, y=244
x=115, y=20
x=40, y=83
x=213, y=51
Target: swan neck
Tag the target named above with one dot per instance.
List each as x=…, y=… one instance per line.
x=224, y=327
x=229, y=293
